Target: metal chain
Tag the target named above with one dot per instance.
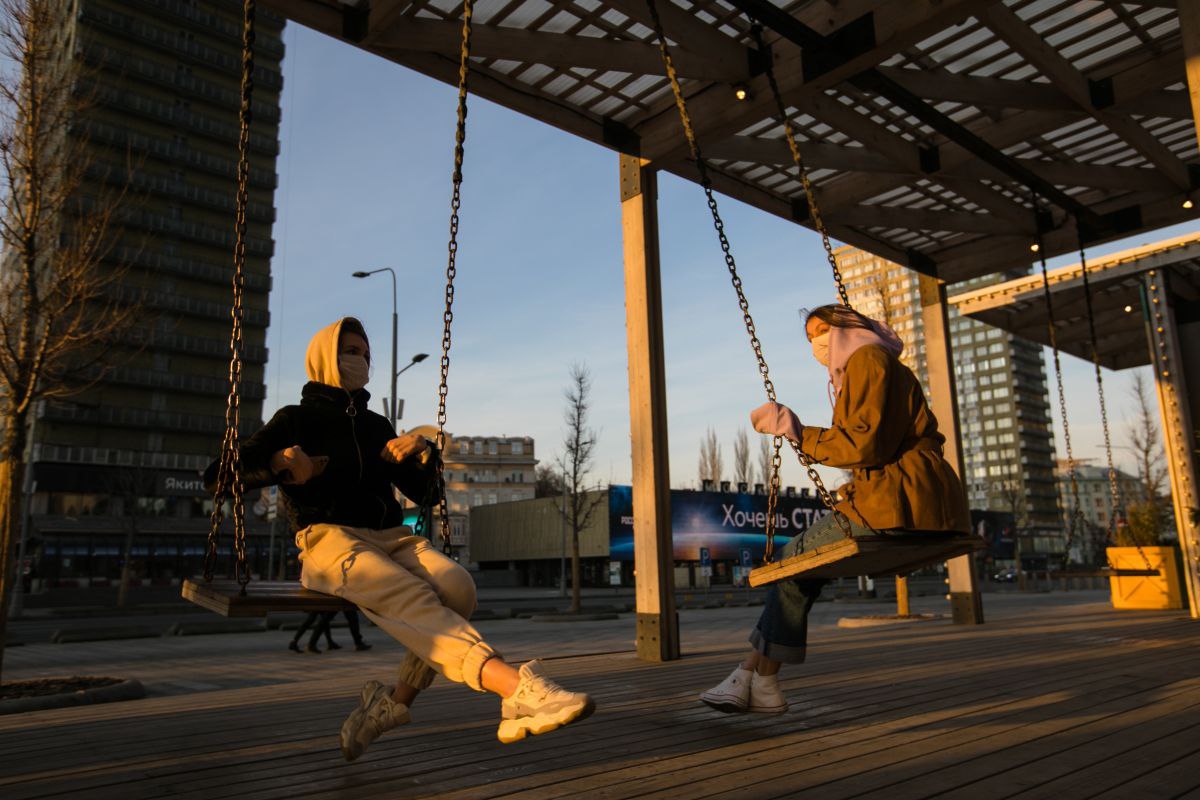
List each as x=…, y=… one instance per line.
x=813, y=209
x=743, y=303
x=1076, y=509
x=1117, y=503
x=230, y=484
x=460, y=137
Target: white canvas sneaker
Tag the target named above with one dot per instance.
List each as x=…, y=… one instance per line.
x=539, y=705
x=765, y=695
x=377, y=712
x=732, y=694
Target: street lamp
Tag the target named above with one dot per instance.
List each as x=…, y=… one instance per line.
x=361, y=274
x=398, y=410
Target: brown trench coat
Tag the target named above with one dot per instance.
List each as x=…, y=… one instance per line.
x=884, y=433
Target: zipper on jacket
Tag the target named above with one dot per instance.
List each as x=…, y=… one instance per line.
x=352, y=413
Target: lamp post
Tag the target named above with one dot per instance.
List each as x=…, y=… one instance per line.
x=392, y=272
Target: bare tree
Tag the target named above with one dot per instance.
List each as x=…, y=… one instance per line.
x=711, y=466
x=1147, y=516
x=743, y=471
x=579, y=445
x=548, y=481
x=130, y=484
x=765, y=459
x=61, y=310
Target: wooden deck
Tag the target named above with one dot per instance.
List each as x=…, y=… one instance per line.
x=1067, y=701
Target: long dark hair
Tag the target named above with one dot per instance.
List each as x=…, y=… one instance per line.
x=837, y=315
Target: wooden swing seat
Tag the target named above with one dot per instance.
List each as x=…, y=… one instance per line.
x=225, y=598
x=875, y=556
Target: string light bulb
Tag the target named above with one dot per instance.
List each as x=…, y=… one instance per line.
x=741, y=92
x=1187, y=203
x=1033, y=248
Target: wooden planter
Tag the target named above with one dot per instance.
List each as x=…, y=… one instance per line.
x=1164, y=590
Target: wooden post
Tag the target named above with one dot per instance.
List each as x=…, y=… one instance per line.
x=901, y=596
x=653, y=551
x=965, y=601
x=1175, y=357
x=1189, y=30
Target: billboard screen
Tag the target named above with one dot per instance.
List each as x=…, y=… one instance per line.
x=723, y=522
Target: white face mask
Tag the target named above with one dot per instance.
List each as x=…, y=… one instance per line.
x=820, y=348
x=354, y=371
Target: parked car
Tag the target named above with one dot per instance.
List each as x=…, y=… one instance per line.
x=1005, y=576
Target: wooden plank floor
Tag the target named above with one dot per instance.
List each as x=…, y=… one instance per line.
x=1062, y=701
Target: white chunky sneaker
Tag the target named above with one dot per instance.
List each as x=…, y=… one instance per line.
x=377, y=712
x=731, y=694
x=539, y=705
x=765, y=695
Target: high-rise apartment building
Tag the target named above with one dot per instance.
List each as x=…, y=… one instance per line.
x=164, y=76
x=1008, y=445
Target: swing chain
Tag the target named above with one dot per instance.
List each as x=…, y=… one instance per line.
x=743, y=303
x=230, y=484
x=1116, y=499
x=789, y=134
x=1052, y=331
x=460, y=137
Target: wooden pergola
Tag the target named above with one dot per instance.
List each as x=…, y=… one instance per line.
x=1146, y=311
x=944, y=135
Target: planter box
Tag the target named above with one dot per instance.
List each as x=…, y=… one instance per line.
x=1164, y=590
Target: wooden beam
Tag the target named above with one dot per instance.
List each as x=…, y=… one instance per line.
x=689, y=33
x=552, y=49
x=1129, y=85
x=1063, y=74
x=654, y=555
x=1189, y=31
x=1003, y=93
x=966, y=603
x=754, y=195
x=879, y=216
x=960, y=262
x=1002, y=134
x=820, y=155
x=717, y=115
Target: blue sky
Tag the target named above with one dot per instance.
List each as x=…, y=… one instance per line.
x=365, y=182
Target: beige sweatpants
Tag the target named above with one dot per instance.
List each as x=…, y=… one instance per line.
x=418, y=596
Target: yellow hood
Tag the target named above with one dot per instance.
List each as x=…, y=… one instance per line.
x=321, y=360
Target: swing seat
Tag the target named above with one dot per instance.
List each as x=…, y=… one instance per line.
x=876, y=556
x=262, y=597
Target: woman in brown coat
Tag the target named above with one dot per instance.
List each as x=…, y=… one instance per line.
x=885, y=434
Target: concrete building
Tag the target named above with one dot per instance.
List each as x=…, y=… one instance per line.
x=1094, y=492
x=165, y=77
x=1008, y=444
x=483, y=471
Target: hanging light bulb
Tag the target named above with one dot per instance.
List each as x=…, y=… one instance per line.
x=1187, y=202
x=741, y=92
x=1128, y=309
x=1033, y=248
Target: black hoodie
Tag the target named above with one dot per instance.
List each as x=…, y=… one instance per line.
x=356, y=487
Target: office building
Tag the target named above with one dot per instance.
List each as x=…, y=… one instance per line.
x=164, y=79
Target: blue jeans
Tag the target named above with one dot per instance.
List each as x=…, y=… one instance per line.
x=782, y=630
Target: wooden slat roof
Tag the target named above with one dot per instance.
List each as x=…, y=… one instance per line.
x=1019, y=305
x=1087, y=95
